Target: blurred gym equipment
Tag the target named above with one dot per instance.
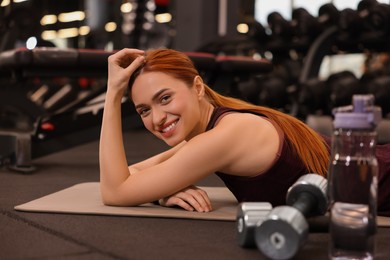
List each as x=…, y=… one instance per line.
x=234, y=70
x=52, y=90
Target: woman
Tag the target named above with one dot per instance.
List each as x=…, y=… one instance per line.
x=258, y=152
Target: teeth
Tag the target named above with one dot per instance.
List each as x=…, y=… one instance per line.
x=166, y=129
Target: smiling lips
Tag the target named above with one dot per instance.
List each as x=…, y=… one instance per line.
x=166, y=131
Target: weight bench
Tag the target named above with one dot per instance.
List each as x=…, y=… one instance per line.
x=19, y=69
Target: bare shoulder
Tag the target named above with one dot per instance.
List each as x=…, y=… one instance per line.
x=252, y=141
x=246, y=123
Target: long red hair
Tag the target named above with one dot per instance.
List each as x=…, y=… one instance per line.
x=308, y=144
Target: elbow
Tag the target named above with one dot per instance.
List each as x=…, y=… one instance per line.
x=109, y=199
x=107, y=195
x=114, y=202
x=115, y=199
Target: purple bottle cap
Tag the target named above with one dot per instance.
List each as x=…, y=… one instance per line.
x=361, y=115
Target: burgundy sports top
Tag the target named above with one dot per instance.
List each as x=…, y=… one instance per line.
x=271, y=185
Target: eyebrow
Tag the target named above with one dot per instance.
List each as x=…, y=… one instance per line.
x=155, y=96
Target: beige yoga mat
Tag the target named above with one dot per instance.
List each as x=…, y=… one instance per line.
x=84, y=198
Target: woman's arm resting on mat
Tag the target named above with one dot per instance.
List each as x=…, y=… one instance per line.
x=190, y=198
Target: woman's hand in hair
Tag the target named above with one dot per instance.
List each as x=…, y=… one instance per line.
x=121, y=66
x=191, y=198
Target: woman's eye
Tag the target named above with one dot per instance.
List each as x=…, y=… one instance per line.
x=165, y=99
x=143, y=112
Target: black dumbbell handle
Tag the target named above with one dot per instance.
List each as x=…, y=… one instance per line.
x=305, y=203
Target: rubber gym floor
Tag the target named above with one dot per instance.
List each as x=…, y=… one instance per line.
x=64, y=236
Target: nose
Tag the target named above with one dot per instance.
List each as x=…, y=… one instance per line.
x=159, y=116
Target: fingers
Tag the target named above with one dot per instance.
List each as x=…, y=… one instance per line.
x=125, y=57
x=127, y=52
x=199, y=199
x=176, y=201
x=190, y=199
x=135, y=64
x=121, y=65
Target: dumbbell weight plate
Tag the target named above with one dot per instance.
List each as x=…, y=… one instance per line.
x=248, y=216
x=282, y=234
x=314, y=184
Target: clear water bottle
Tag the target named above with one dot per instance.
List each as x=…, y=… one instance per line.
x=352, y=180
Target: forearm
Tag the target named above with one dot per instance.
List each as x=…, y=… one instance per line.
x=112, y=157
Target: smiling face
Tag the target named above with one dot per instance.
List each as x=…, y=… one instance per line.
x=169, y=108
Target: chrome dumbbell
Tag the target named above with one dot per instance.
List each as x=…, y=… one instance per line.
x=249, y=215
x=285, y=229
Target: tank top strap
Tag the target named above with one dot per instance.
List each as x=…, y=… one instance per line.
x=217, y=113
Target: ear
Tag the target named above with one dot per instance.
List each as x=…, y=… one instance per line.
x=199, y=86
